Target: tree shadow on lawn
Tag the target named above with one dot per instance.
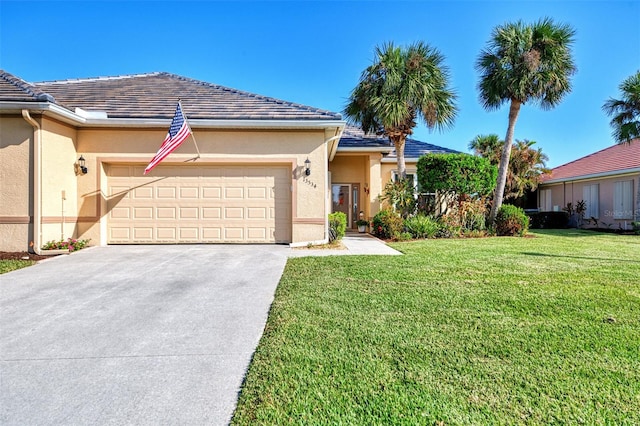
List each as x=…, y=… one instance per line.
x=578, y=257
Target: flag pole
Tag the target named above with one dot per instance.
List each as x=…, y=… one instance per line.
x=190, y=129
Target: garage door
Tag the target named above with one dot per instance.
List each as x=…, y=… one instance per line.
x=198, y=204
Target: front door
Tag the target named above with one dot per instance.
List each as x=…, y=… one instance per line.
x=344, y=198
x=340, y=200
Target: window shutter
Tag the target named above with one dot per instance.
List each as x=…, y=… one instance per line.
x=623, y=200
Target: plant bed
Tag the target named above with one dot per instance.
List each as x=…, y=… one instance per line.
x=21, y=255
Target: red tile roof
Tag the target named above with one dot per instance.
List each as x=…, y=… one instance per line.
x=622, y=157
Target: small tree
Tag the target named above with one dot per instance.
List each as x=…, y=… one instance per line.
x=400, y=196
x=526, y=165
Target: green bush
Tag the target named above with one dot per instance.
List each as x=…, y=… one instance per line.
x=456, y=173
x=387, y=224
x=511, y=220
x=421, y=226
x=337, y=225
x=636, y=227
x=400, y=196
x=549, y=220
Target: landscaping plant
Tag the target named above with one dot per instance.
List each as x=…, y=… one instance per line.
x=511, y=221
x=337, y=225
x=70, y=244
x=421, y=226
x=387, y=224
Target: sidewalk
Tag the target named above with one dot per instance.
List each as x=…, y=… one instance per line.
x=354, y=244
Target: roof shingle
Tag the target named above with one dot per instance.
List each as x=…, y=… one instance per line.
x=13, y=88
x=615, y=158
x=354, y=137
x=154, y=96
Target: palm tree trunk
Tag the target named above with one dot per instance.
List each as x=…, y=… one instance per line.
x=399, y=142
x=503, y=169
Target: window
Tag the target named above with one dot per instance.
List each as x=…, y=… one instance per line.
x=591, y=197
x=545, y=200
x=622, y=200
x=411, y=176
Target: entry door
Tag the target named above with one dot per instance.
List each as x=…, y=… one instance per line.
x=341, y=200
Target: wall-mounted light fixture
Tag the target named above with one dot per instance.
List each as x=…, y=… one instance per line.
x=307, y=167
x=366, y=188
x=81, y=165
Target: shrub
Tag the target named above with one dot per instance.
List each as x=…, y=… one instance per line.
x=549, y=220
x=421, y=226
x=400, y=196
x=403, y=236
x=458, y=173
x=387, y=224
x=636, y=227
x=511, y=220
x=337, y=225
x=70, y=244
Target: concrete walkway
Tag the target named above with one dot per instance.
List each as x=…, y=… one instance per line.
x=354, y=244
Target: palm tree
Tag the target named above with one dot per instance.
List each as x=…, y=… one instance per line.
x=487, y=146
x=524, y=63
x=526, y=164
x=626, y=112
x=402, y=85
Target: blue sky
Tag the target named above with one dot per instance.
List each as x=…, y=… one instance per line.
x=312, y=52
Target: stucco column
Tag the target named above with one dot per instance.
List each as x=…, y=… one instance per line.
x=375, y=184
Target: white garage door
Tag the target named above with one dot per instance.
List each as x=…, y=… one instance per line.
x=198, y=204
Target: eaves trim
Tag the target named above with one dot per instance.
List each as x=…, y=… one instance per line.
x=395, y=160
x=366, y=149
x=75, y=119
x=592, y=176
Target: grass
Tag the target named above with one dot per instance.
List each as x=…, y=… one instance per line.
x=475, y=331
x=12, y=265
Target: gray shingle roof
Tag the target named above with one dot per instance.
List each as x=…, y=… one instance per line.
x=154, y=96
x=354, y=137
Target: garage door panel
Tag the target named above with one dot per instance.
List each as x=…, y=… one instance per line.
x=166, y=213
x=188, y=213
x=189, y=192
x=166, y=234
x=211, y=213
x=191, y=204
x=143, y=212
x=168, y=192
x=213, y=193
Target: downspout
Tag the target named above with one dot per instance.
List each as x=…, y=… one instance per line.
x=37, y=176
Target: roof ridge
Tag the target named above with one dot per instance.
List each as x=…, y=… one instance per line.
x=99, y=78
x=26, y=87
x=251, y=95
x=596, y=153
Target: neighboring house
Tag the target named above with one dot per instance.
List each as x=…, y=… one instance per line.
x=608, y=181
x=249, y=184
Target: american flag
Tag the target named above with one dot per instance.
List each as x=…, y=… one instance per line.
x=178, y=133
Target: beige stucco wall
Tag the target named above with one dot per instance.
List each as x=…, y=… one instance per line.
x=572, y=192
x=105, y=146
x=363, y=169
x=59, y=181
x=15, y=205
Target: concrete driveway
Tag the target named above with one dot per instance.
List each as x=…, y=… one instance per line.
x=133, y=334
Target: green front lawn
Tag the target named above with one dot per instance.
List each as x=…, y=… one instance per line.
x=478, y=331
x=12, y=265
